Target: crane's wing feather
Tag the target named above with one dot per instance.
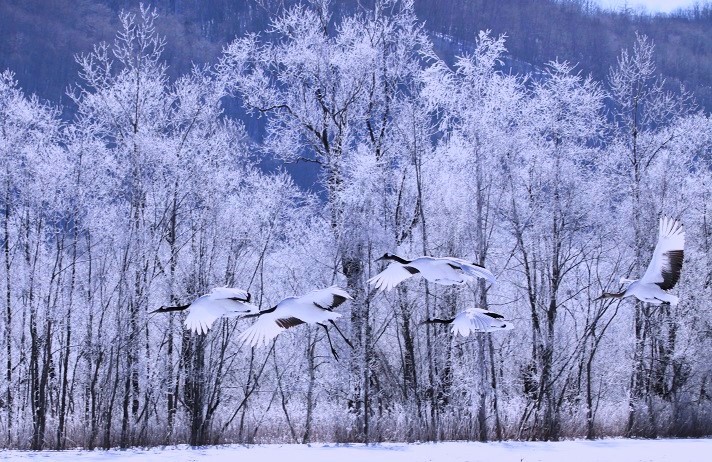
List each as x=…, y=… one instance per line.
x=328, y=298
x=286, y=323
x=393, y=275
x=473, y=269
x=235, y=309
x=201, y=315
x=666, y=264
x=478, y=320
x=262, y=331
x=221, y=301
x=229, y=293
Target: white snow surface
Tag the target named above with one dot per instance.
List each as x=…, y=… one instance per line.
x=605, y=450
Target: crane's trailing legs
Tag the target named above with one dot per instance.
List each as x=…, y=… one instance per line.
x=328, y=336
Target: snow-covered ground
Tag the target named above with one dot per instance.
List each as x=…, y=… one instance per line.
x=608, y=450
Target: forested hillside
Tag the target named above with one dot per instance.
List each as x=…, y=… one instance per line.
x=38, y=39
x=151, y=194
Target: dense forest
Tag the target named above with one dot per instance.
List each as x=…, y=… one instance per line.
x=150, y=193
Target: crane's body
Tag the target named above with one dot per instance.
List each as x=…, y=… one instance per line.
x=647, y=292
x=440, y=270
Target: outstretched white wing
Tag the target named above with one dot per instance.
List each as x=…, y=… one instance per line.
x=328, y=298
x=202, y=314
x=478, y=320
x=666, y=264
x=263, y=330
x=220, y=302
x=393, y=275
x=313, y=307
x=473, y=269
x=230, y=293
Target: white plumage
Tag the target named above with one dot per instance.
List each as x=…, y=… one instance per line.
x=664, y=269
x=440, y=270
x=474, y=320
x=314, y=307
x=220, y=302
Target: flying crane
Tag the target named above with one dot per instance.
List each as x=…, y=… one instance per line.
x=663, y=271
x=220, y=302
x=473, y=320
x=440, y=270
x=314, y=307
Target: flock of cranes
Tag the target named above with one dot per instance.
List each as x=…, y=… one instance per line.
x=317, y=306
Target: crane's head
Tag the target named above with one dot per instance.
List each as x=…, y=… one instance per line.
x=392, y=257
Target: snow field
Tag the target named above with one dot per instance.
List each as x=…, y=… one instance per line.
x=606, y=450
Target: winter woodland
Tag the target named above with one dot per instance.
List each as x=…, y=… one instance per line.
x=152, y=194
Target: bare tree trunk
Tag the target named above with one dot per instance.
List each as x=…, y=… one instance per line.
x=410, y=379
x=481, y=225
x=311, y=364
x=9, y=403
x=171, y=379
x=417, y=164
x=367, y=358
x=64, y=384
x=40, y=345
x=352, y=268
x=107, y=415
x=495, y=400
x=482, y=405
x=194, y=388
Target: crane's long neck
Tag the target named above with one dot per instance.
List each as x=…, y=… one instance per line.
x=166, y=309
x=254, y=315
x=613, y=295
x=400, y=260
x=437, y=321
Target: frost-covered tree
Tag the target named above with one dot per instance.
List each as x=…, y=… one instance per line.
x=151, y=194
x=179, y=169
x=566, y=115
x=33, y=242
x=644, y=127
x=478, y=106
x=328, y=91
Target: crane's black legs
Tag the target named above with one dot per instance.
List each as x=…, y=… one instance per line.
x=341, y=333
x=328, y=336
x=333, y=351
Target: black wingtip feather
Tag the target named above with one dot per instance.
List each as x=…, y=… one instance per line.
x=494, y=315
x=286, y=323
x=239, y=299
x=671, y=272
x=337, y=300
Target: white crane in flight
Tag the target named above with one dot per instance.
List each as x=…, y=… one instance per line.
x=205, y=310
x=663, y=271
x=473, y=320
x=440, y=270
x=314, y=307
